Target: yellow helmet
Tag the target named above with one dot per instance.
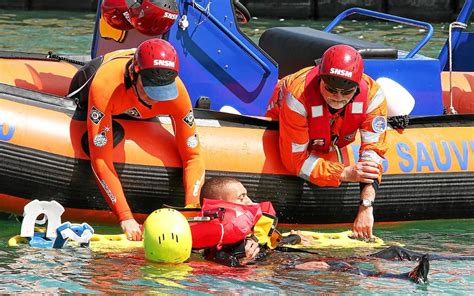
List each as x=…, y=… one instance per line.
x=167, y=236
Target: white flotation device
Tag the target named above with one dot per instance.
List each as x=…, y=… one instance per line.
x=56, y=234
x=52, y=212
x=399, y=99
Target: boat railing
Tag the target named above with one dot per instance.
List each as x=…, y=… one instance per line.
x=388, y=17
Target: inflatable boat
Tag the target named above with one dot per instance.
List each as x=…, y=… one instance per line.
x=429, y=172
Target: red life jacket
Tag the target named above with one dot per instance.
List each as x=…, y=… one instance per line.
x=319, y=121
x=230, y=223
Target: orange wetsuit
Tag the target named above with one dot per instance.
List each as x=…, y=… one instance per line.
x=289, y=104
x=109, y=96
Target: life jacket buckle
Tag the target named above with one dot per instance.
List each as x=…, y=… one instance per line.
x=215, y=213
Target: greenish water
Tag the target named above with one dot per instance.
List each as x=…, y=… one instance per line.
x=71, y=32
x=32, y=270
x=80, y=270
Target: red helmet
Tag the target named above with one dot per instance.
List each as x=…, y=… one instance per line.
x=152, y=17
x=342, y=66
x=115, y=13
x=156, y=63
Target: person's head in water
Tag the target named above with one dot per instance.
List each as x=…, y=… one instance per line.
x=341, y=72
x=227, y=189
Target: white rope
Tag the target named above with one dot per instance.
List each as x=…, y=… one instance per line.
x=207, y=11
x=457, y=25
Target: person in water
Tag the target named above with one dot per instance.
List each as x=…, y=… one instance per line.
x=319, y=110
x=141, y=83
x=249, y=250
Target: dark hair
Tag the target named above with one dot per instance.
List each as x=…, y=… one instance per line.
x=213, y=187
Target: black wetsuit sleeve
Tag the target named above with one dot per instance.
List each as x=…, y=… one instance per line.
x=230, y=255
x=419, y=274
x=399, y=253
x=292, y=239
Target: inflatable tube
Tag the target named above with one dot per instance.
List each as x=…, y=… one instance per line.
x=429, y=173
x=462, y=91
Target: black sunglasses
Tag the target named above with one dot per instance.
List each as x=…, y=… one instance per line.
x=343, y=92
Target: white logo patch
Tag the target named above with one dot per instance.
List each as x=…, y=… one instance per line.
x=340, y=72
x=171, y=16
x=100, y=140
x=379, y=124
x=164, y=63
x=192, y=141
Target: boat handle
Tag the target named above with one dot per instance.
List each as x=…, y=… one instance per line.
x=388, y=17
x=232, y=36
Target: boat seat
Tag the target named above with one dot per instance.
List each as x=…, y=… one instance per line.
x=294, y=48
x=46, y=76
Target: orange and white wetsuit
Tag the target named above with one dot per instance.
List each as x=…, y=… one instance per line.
x=300, y=114
x=112, y=94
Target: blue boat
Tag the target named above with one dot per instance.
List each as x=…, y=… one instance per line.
x=221, y=63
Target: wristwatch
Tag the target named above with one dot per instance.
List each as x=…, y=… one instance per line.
x=366, y=203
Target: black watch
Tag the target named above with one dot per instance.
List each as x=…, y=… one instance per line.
x=366, y=203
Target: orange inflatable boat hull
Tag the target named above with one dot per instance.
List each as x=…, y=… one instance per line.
x=429, y=172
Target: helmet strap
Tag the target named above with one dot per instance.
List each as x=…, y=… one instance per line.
x=130, y=76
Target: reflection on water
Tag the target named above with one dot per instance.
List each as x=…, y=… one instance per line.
x=79, y=270
x=42, y=31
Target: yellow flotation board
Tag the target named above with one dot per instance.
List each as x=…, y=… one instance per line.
x=110, y=242
x=341, y=240
x=98, y=242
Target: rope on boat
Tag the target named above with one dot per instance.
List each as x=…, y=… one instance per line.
x=60, y=58
x=456, y=25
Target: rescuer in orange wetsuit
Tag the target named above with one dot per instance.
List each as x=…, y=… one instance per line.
x=319, y=110
x=144, y=85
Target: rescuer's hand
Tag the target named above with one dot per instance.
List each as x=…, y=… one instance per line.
x=132, y=229
x=363, y=171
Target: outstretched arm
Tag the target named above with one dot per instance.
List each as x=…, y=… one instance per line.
x=188, y=143
x=100, y=135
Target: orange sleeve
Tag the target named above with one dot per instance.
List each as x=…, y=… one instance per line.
x=187, y=141
x=373, y=129
x=294, y=138
x=100, y=133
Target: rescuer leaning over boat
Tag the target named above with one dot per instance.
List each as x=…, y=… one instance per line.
x=142, y=83
x=319, y=110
